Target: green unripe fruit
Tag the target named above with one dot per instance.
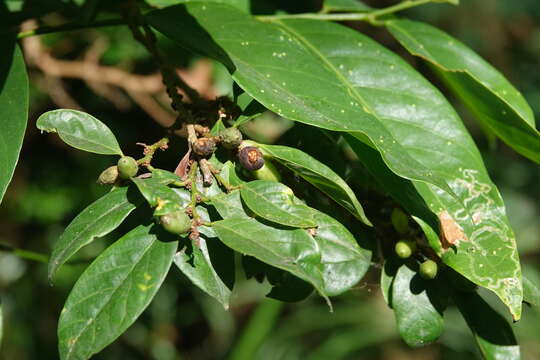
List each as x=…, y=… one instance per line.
x=230, y=138
x=108, y=176
x=127, y=167
x=428, y=269
x=267, y=172
x=176, y=222
x=405, y=248
x=400, y=221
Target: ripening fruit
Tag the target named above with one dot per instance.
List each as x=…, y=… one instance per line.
x=400, y=221
x=127, y=167
x=428, y=269
x=230, y=138
x=108, y=176
x=268, y=172
x=251, y=158
x=405, y=248
x=204, y=146
x=177, y=222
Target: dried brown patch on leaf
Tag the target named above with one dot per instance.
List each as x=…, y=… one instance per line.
x=451, y=232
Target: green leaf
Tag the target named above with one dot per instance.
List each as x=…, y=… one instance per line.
x=80, y=130
x=195, y=263
x=388, y=273
x=344, y=262
x=165, y=177
x=229, y=205
x=97, y=220
x=163, y=198
x=1, y=322
x=294, y=251
x=293, y=68
x=13, y=109
x=418, y=314
x=531, y=292
x=113, y=291
x=345, y=5
x=243, y=5
x=494, y=336
x=329, y=76
x=319, y=175
x=251, y=108
x=487, y=93
x=274, y=201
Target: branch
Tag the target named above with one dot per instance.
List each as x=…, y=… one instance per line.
x=70, y=27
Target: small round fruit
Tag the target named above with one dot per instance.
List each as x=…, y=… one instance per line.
x=204, y=146
x=230, y=138
x=127, y=167
x=268, y=172
x=176, y=222
x=108, y=176
x=400, y=221
x=405, y=248
x=428, y=269
x=251, y=158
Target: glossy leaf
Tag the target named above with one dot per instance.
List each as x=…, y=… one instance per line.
x=113, y=291
x=388, y=272
x=494, y=336
x=418, y=316
x=195, y=263
x=319, y=175
x=97, y=220
x=345, y=5
x=294, y=251
x=13, y=109
x=292, y=68
x=165, y=177
x=80, y=130
x=239, y=4
x=487, y=93
x=163, y=198
x=333, y=77
x=274, y=201
x=230, y=205
x=344, y=262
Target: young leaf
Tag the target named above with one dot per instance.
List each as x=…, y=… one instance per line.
x=319, y=175
x=418, y=314
x=113, y=291
x=487, y=93
x=13, y=109
x=345, y=5
x=163, y=198
x=344, y=262
x=98, y=219
x=294, y=251
x=295, y=69
x=333, y=77
x=80, y=130
x=494, y=336
x=195, y=263
x=274, y=201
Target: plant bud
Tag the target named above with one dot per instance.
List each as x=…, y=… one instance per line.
x=176, y=222
x=251, y=158
x=428, y=269
x=405, y=248
x=127, y=167
x=108, y=176
x=204, y=146
x=230, y=138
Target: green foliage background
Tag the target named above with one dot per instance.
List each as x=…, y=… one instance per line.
x=53, y=183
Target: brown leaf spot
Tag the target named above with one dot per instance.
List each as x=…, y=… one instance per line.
x=451, y=232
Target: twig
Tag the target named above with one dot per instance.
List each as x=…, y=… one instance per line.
x=363, y=16
x=70, y=27
x=150, y=150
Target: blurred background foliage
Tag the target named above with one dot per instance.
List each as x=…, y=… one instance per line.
x=95, y=69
